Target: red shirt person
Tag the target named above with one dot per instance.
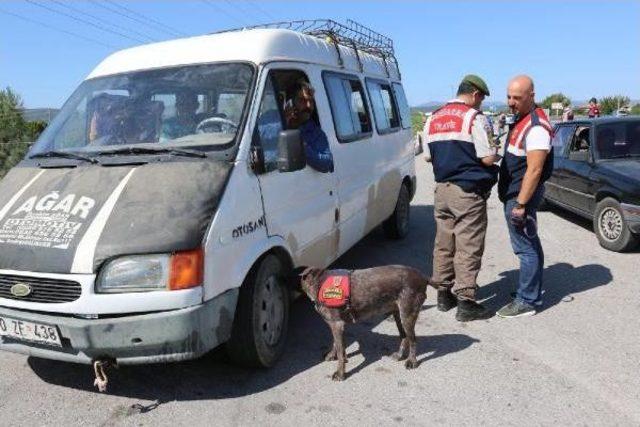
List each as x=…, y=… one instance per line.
x=594, y=108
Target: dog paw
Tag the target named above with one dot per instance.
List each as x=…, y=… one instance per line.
x=398, y=356
x=338, y=376
x=411, y=364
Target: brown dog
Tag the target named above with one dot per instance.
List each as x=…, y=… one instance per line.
x=395, y=289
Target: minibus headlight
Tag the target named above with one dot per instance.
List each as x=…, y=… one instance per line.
x=139, y=273
x=134, y=274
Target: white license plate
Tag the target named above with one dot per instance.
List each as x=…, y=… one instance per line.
x=29, y=331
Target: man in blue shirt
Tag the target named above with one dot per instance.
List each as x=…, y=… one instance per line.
x=184, y=122
x=299, y=114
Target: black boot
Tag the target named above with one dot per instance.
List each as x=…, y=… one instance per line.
x=446, y=300
x=470, y=310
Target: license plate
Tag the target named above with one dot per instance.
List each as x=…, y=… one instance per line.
x=29, y=331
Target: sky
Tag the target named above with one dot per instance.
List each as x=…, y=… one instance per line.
x=580, y=48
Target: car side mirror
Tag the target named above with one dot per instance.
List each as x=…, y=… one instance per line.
x=579, y=156
x=290, y=151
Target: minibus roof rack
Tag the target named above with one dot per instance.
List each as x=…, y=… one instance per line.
x=352, y=35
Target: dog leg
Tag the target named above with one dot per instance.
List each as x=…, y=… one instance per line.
x=400, y=354
x=332, y=354
x=409, y=324
x=412, y=361
x=337, y=329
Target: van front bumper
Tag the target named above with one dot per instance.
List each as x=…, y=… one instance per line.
x=167, y=336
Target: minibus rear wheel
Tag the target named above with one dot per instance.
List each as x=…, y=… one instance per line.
x=261, y=320
x=397, y=225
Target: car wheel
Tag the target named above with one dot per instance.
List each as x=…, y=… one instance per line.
x=261, y=320
x=611, y=228
x=397, y=225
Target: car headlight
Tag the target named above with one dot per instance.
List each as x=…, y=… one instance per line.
x=141, y=273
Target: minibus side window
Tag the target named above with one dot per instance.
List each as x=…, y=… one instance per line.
x=268, y=126
x=348, y=106
x=384, y=106
x=403, y=105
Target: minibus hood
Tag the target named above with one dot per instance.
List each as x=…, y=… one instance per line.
x=70, y=220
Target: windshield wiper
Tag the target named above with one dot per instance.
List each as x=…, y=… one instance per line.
x=64, y=154
x=147, y=150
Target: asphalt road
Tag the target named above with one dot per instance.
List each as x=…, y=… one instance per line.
x=575, y=363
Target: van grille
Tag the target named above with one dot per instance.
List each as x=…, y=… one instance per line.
x=42, y=289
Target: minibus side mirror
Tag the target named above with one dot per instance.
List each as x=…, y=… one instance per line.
x=290, y=151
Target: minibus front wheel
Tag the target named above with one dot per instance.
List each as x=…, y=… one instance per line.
x=261, y=320
x=397, y=225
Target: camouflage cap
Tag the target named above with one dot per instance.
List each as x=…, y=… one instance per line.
x=477, y=82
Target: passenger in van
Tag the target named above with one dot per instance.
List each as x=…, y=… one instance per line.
x=299, y=115
x=104, y=107
x=184, y=122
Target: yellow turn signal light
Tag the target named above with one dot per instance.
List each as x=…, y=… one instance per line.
x=186, y=269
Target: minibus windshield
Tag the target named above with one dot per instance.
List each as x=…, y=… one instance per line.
x=196, y=105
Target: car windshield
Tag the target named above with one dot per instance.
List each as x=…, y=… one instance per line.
x=198, y=105
x=618, y=140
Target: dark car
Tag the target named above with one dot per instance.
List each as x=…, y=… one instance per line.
x=597, y=175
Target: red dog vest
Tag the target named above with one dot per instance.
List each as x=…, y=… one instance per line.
x=335, y=289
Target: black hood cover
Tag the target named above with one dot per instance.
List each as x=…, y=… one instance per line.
x=70, y=220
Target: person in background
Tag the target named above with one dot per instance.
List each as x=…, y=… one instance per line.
x=567, y=114
x=594, y=108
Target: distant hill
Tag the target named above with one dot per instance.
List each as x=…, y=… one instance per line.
x=39, y=114
x=433, y=105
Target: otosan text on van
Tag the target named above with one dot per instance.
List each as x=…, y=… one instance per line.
x=248, y=228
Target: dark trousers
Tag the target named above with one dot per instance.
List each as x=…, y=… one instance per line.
x=527, y=247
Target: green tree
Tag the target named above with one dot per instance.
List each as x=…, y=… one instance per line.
x=14, y=130
x=610, y=104
x=11, y=120
x=32, y=130
x=635, y=109
x=417, y=121
x=555, y=97
x=10, y=155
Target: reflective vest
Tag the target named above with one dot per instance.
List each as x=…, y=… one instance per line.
x=453, y=153
x=514, y=163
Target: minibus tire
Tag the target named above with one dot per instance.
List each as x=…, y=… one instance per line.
x=255, y=342
x=397, y=225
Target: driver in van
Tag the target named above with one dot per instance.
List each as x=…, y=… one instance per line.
x=184, y=122
x=299, y=115
x=101, y=124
